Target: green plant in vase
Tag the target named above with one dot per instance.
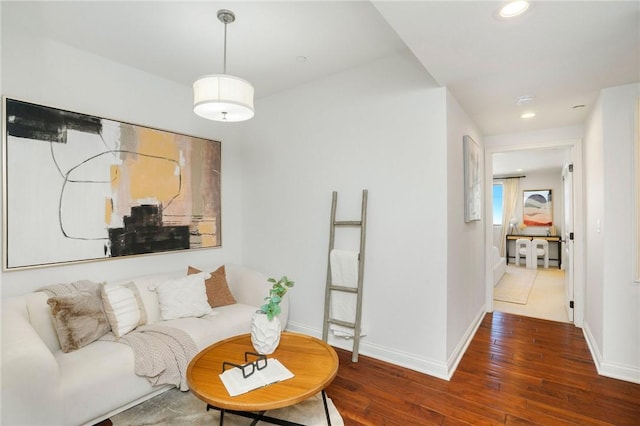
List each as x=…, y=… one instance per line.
x=277, y=292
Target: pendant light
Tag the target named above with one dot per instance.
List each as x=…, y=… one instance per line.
x=223, y=97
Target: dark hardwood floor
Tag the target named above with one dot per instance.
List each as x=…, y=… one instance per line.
x=516, y=371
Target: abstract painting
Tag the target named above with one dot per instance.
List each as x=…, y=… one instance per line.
x=79, y=188
x=537, y=208
x=472, y=180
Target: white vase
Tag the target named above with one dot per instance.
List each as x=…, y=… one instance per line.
x=265, y=334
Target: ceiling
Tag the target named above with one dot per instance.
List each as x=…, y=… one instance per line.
x=523, y=162
x=183, y=40
x=560, y=53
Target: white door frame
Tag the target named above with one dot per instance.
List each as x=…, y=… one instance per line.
x=567, y=231
x=578, y=208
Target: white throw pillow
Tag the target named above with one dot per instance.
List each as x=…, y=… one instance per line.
x=124, y=308
x=183, y=297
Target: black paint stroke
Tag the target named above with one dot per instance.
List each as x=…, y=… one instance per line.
x=31, y=121
x=143, y=232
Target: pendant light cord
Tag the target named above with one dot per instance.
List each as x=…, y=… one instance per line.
x=224, y=66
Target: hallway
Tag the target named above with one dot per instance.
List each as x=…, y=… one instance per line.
x=546, y=300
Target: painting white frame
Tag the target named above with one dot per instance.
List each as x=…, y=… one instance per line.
x=472, y=155
x=636, y=190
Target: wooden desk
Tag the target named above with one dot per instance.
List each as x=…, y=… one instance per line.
x=552, y=240
x=312, y=361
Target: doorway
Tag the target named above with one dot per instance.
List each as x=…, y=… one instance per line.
x=556, y=293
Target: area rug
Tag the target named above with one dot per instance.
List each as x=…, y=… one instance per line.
x=515, y=285
x=176, y=408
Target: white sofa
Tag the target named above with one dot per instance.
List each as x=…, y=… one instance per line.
x=499, y=265
x=42, y=385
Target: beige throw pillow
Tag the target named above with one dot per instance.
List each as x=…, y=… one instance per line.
x=124, y=308
x=183, y=297
x=79, y=319
x=218, y=293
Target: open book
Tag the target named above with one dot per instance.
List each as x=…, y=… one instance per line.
x=236, y=384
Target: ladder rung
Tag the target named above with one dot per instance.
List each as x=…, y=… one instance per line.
x=347, y=223
x=343, y=288
x=342, y=323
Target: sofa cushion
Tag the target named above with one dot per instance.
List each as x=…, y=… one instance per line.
x=124, y=308
x=79, y=319
x=222, y=323
x=98, y=379
x=183, y=297
x=218, y=293
x=40, y=317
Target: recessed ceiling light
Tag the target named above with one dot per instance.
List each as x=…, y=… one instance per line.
x=523, y=100
x=301, y=59
x=519, y=170
x=526, y=115
x=514, y=8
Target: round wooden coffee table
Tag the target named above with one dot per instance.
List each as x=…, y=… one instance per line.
x=313, y=363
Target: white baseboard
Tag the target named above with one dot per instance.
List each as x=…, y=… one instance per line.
x=445, y=371
x=463, y=344
x=609, y=369
x=403, y=359
x=593, y=346
x=620, y=372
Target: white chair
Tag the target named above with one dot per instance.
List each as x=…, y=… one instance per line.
x=540, y=248
x=523, y=248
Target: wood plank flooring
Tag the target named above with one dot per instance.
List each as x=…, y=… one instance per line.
x=516, y=371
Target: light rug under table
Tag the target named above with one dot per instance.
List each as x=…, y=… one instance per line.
x=515, y=285
x=173, y=408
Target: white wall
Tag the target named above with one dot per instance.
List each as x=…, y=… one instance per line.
x=465, y=241
x=536, y=180
x=549, y=179
x=357, y=130
x=353, y=130
x=54, y=74
x=612, y=323
x=594, y=208
x=539, y=179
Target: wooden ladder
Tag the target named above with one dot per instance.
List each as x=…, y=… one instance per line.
x=331, y=287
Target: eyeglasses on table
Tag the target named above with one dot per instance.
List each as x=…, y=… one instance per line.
x=258, y=363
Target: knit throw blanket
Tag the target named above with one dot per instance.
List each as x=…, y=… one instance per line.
x=161, y=353
x=64, y=289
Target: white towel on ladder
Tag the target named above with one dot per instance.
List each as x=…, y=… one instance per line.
x=344, y=272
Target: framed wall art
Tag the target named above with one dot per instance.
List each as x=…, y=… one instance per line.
x=79, y=188
x=472, y=180
x=537, y=208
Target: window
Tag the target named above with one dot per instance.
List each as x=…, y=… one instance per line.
x=497, y=203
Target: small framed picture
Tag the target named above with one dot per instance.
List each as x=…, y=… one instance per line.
x=472, y=180
x=537, y=208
